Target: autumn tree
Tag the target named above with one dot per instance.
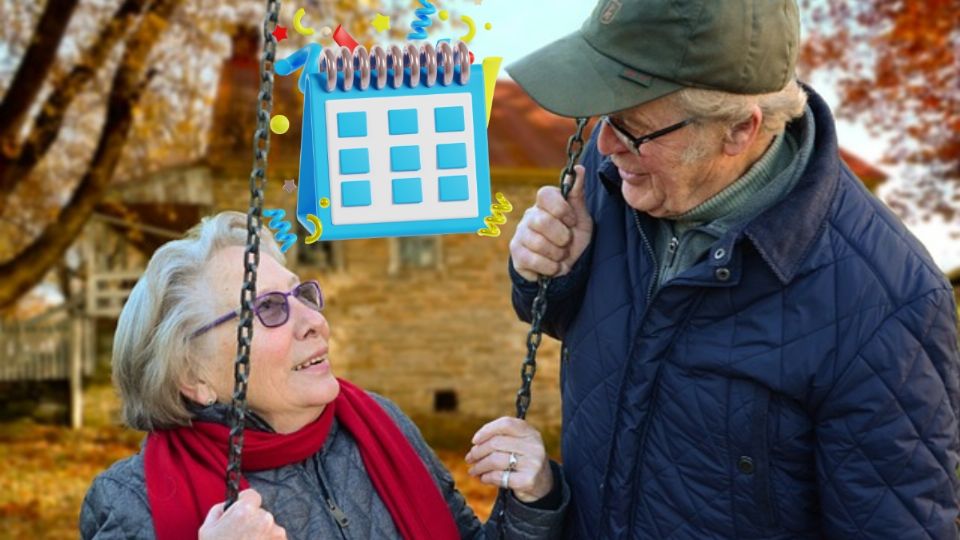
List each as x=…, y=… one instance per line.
x=897, y=70
x=100, y=91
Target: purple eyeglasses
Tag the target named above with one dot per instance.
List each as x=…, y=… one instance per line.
x=273, y=308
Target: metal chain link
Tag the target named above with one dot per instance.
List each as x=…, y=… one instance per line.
x=575, y=147
x=261, y=148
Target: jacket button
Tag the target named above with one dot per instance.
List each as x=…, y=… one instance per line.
x=722, y=274
x=745, y=464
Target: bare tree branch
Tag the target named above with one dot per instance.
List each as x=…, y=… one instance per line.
x=31, y=73
x=14, y=168
x=27, y=269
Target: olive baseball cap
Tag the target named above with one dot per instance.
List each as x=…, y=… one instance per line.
x=630, y=52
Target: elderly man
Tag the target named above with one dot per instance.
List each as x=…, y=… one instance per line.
x=754, y=346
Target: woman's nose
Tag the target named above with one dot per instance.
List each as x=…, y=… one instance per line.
x=308, y=321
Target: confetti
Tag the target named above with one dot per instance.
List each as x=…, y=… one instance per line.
x=317, y=229
x=468, y=37
x=497, y=210
x=344, y=39
x=381, y=22
x=281, y=228
x=280, y=33
x=279, y=124
x=289, y=185
x=298, y=26
x=422, y=20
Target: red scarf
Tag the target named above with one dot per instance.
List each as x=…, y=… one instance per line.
x=185, y=468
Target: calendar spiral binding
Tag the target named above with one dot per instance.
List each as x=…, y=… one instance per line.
x=380, y=66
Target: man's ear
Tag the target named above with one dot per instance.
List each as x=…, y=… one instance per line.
x=741, y=136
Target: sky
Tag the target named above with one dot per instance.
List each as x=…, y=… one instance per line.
x=519, y=27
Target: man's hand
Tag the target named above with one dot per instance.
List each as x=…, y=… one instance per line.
x=553, y=232
x=244, y=520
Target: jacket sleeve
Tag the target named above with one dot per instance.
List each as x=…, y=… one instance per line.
x=564, y=296
x=522, y=522
x=887, y=431
x=113, y=510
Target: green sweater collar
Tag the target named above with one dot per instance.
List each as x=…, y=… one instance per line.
x=737, y=199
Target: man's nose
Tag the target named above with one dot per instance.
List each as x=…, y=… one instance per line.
x=607, y=142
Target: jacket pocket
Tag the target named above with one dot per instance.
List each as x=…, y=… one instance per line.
x=750, y=442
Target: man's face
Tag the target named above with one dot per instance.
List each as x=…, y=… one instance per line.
x=673, y=173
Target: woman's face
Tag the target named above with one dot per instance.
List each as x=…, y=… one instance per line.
x=287, y=386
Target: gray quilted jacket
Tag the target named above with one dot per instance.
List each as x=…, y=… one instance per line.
x=327, y=496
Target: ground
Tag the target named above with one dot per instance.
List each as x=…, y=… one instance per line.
x=47, y=469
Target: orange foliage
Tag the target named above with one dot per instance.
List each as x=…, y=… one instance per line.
x=897, y=68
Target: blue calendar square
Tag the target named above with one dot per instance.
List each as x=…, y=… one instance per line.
x=407, y=191
x=405, y=158
x=448, y=119
x=451, y=156
x=355, y=193
x=404, y=161
x=402, y=121
x=354, y=161
x=352, y=124
x=454, y=188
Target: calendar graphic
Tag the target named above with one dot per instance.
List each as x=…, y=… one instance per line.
x=392, y=154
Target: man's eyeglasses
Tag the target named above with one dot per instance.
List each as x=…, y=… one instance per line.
x=273, y=308
x=633, y=143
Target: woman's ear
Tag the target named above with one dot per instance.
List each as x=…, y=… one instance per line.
x=196, y=390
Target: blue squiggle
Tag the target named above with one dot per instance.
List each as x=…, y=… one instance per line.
x=281, y=228
x=423, y=20
x=308, y=56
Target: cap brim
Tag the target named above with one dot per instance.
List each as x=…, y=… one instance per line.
x=570, y=78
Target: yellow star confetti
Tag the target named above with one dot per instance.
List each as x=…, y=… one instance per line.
x=381, y=22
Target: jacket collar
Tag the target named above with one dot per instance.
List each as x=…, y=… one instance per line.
x=785, y=232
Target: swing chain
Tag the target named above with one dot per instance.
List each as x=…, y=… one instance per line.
x=261, y=148
x=575, y=147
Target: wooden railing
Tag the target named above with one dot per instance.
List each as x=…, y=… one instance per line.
x=57, y=345
x=107, y=291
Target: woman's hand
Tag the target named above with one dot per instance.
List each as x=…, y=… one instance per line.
x=530, y=477
x=244, y=520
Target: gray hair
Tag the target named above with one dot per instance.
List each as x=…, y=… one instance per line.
x=152, y=349
x=778, y=108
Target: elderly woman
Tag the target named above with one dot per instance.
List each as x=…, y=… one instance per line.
x=322, y=458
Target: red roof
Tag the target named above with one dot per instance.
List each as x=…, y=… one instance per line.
x=524, y=136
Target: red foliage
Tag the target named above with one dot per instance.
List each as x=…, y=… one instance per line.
x=897, y=67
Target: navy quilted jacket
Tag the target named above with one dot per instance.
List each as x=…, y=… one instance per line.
x=799, y=382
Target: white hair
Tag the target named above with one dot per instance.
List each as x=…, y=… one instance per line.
x=778, y=108
x=152, y=349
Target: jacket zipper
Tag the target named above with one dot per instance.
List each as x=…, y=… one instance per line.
x=646, y=308
x=653, y=257
x=338, y=514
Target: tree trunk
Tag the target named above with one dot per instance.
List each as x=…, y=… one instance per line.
x=33, y=69
x=17, y=162
x=27, y=269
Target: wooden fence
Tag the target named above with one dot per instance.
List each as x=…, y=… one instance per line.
x=57, y=345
